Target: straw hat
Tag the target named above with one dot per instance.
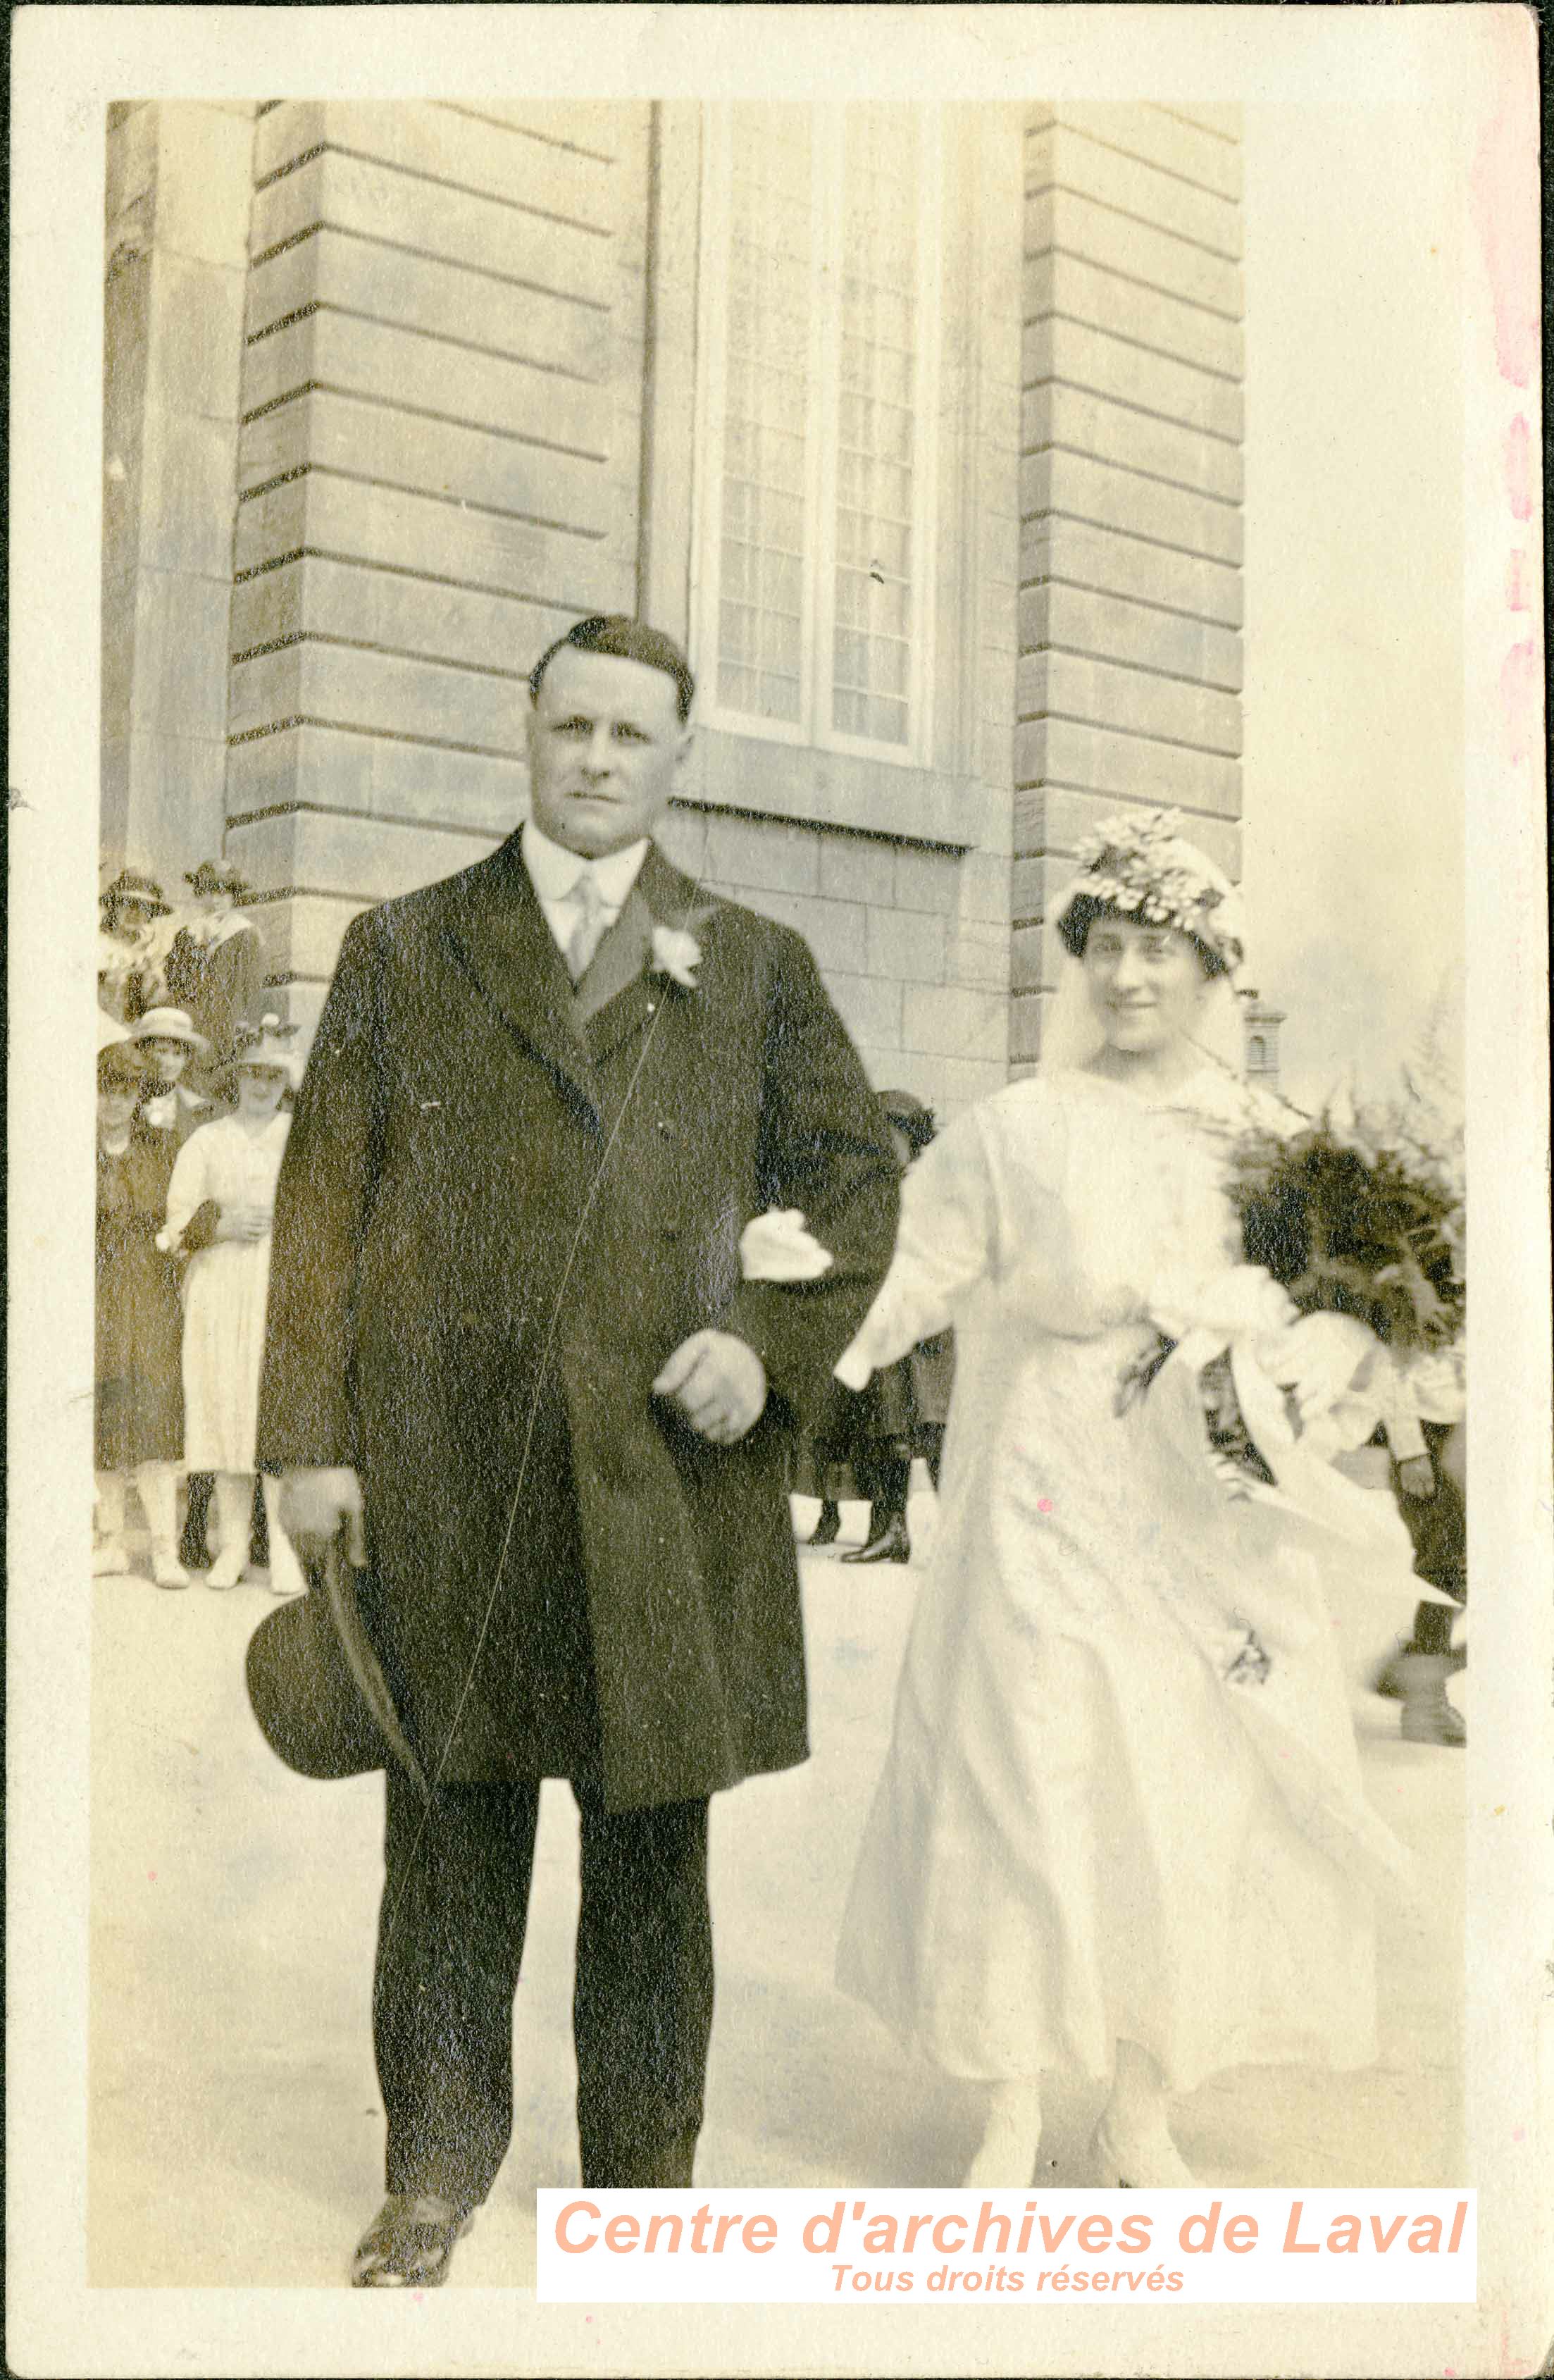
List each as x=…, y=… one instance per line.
x=170, y=1025
x=131, y=884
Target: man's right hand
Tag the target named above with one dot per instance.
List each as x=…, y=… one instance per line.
x=314, y=1505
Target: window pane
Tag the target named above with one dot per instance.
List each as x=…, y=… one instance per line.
x=876, y=484
x=771, y=271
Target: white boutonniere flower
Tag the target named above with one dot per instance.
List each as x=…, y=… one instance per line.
x=776, y=1247
x=676, y=954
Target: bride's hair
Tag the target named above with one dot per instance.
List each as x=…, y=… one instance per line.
x=1084, y=909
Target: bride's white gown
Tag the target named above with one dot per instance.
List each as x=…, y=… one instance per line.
x=1092, y=1823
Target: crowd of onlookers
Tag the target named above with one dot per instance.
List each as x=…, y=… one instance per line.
x=192, y=1084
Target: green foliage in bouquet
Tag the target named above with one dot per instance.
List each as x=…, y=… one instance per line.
x=1351, y=1225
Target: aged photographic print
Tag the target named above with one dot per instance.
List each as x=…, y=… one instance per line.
x=778, y=1398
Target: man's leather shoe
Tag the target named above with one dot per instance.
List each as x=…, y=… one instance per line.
x=891, y=1545
x=409, y=2244
x=828, y=1528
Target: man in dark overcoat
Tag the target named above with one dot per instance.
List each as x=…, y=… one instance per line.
x=513, y=1349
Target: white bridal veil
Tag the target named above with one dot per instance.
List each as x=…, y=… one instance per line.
x=1071, y=1033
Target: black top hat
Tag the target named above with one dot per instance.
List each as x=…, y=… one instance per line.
x=130, y=884
x=317, y=1681
x=217, y=876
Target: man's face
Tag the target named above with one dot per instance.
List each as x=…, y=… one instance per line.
x=605, y=744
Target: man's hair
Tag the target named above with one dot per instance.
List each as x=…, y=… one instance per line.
x=628, y=640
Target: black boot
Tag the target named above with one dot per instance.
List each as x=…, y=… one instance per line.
x=828, y=1528
x=887, y=1541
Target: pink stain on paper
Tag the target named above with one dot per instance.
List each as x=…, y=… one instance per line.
x=1504, y=186
x=1519, y=468
x=1520, y=699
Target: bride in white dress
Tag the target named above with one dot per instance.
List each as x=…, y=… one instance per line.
x=1120, y=1832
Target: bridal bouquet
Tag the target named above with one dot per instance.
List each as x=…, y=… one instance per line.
x=1360, y=1215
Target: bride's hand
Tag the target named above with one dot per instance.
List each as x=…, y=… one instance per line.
x=1242, y=1301
x=1317, y=1357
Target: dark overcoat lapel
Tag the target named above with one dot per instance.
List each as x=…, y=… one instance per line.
x=504, y=1203
x=497, y=933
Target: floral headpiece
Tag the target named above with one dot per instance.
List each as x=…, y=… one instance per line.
x=1142, y=866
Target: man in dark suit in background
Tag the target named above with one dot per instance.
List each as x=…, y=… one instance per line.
x=511, y=1338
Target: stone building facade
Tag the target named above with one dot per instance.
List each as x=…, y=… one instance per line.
x=922, y=427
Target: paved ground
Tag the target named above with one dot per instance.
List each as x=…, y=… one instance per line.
x=236, y=2137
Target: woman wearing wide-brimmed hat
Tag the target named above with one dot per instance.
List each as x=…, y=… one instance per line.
x=220, y=1204
x=138, y=1407
x=168, y=1045
x=1121, y=1833
x=215, y=966
x=129, y=952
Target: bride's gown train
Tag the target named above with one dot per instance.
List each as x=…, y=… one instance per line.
x=1122, y=1800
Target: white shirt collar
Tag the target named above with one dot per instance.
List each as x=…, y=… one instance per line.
x=553, y=870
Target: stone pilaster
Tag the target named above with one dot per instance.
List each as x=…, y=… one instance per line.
x=178, y=191
x=439, y=468
x=1130, y=669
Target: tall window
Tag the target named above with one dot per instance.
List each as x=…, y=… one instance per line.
x=819, y=336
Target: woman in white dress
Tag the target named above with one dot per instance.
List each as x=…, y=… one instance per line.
x=1120, y=1832
x=220, y=1205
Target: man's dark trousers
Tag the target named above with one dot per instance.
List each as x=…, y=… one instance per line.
x=450, y=1943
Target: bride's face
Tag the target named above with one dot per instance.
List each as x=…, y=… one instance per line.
x=1146, y=984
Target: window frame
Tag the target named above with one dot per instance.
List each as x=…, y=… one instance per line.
x=814, y=730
